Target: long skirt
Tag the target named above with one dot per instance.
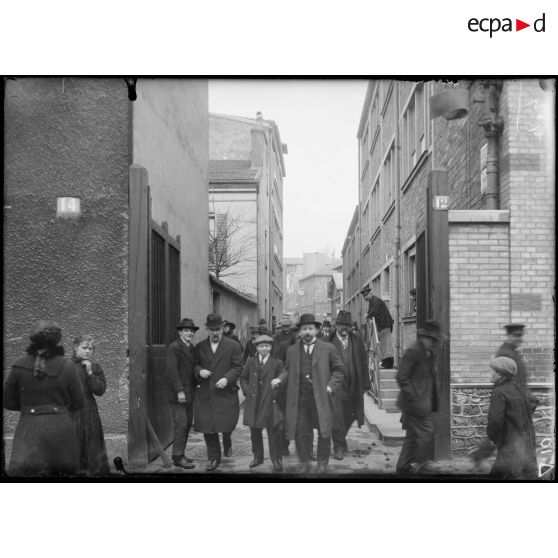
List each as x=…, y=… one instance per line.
x=93, y=457
x=44, y=445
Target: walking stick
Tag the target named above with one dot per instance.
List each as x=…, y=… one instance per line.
x=158, y=446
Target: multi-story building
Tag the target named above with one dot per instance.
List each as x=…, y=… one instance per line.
x=293, y=273
x=455, y=221
x=335, y=290
x=246, y=203
x=104, y=181
x=314, y=289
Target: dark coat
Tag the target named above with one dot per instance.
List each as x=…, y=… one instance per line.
x=378, y=310
x=279, y=338
x=510, y=427
x=217, y=410
x=260, y=407
x=45, y=441
x=417, y=381
x=234, y=337
x=508, y=350
x=327, y=370
x=281, y=351
x=179, y=367
x=92, y=448
x=362, y=376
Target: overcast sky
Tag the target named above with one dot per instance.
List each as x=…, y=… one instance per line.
x=318, y=120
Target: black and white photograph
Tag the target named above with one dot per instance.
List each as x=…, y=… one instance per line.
x=279, y=279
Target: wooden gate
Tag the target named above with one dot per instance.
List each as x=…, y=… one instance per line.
x=154, y=311
x=164, y=314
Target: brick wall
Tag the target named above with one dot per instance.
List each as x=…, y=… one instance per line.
x=479, y=291
x=527, y=184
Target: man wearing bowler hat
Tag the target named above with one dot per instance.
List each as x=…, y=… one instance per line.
x=350, y=403
x=418, y=398
x=218, y=365
x=325, y=331
x=314, y=375
x=180, y=374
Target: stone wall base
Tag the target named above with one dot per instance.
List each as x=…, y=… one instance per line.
x=469, y=410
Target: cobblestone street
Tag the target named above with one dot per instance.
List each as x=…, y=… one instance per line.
x=366, y=456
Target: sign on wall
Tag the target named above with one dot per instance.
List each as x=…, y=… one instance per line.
x=68, y=207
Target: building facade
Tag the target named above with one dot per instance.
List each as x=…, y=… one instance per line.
x=451, y=177
x=246, y=188
x=293, y=273
x=314, y=291
x=117, y=245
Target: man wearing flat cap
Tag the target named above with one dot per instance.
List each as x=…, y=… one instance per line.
x=314, y=374
x=217, y=368
x=418, y=398
x=180, y=374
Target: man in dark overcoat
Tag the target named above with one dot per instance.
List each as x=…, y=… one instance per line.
x=418, y=398
x=217, y=368
x=350, y=401
x=314, y=374
x=285, y=333
x=180, y=375
x=261, y=410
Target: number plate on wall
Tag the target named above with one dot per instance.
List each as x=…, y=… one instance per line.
x=68, y=207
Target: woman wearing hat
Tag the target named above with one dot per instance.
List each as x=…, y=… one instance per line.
x=510, y=424
x=44, y=388
x=181, y=381
x=259, y=383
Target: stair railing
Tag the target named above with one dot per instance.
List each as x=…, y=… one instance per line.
x=374, y=350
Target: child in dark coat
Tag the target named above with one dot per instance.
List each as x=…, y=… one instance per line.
x=510, y=424
x=259, y=382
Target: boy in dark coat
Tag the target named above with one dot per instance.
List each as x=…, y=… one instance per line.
x=510, y=424
x=217, y=367
x=180, y=375
x=259, y=384
x=418, y=398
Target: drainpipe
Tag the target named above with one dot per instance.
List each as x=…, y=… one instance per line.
x=359, y=238
x=397, y=240
x=492, y=125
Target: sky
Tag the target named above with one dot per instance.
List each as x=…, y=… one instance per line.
x=318, y=120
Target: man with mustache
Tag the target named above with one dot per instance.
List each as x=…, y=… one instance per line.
x=350, y=402
x=217, y=368
x=314, y=375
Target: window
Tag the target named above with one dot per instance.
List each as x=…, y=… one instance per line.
x=410, y=281
x=375, y=286
x=366, y=221
x=375, y=209
x=364, y=150
x=374, y=119
x=414, y=132
x=386, y=284
x=388, y=178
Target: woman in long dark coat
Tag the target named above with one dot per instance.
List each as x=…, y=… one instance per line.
x=93, y=452
x=44, y=388
x=510, y=424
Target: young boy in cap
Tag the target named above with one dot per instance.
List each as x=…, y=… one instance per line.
x=510, y=424
x=259, y=382
x=180, y=375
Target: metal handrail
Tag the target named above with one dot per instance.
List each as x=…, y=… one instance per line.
x=373, y=347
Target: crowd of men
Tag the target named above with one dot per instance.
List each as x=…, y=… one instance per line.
x=307, y=376
x=313, y=376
